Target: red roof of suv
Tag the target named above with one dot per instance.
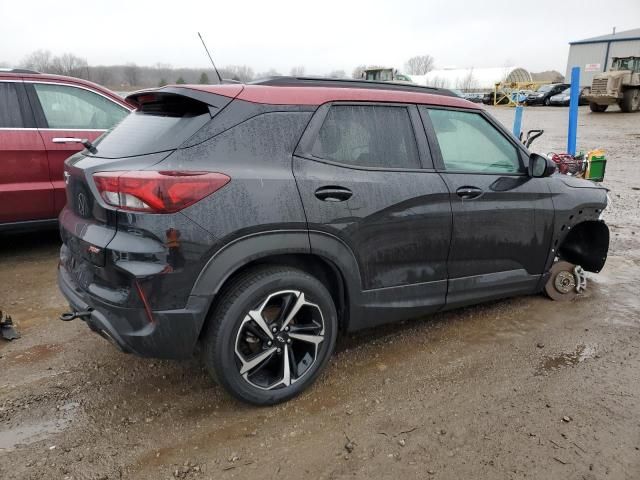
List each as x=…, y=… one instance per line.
x=317, y=95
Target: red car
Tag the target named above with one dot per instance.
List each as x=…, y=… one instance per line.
x=41, y=118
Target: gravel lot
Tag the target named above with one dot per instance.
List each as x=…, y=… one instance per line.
x=521, y=388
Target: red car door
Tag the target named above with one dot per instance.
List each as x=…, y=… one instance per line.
x=26, y=192
x=70, y=111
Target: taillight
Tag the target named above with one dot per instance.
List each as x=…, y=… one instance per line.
x=157, y=191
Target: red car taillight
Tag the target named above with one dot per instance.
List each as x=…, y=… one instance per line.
x=157, y=191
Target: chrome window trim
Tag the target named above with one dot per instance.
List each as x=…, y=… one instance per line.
x=59, y=129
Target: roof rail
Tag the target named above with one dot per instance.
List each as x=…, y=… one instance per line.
x=17, y=70
x=285, y=81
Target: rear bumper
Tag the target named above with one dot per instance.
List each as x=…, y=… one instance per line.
x=172, y=334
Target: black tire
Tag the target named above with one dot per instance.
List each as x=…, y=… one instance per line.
x=597, y=108
x=630, y=100
x=248, y=292
x=547, y=101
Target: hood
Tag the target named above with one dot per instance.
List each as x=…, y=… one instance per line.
x=575, y=182
x=616, y=74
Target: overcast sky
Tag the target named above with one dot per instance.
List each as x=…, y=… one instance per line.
x=322, y=35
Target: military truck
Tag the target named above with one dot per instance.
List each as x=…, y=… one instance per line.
x=384, y=74
x=619, y=85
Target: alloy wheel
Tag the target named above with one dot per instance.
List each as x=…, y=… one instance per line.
x=277, y=342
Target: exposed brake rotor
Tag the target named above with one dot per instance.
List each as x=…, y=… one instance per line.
x=566, y=280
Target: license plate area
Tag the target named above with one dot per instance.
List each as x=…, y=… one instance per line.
x=79, y=270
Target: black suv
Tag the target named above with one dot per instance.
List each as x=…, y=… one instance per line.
x=254, y=223
x=543, y=95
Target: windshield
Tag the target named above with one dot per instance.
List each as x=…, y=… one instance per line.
x=545, y=88
x=623, y=64
x=566, y=91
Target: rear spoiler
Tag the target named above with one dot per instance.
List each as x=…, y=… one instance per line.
x=218, y=98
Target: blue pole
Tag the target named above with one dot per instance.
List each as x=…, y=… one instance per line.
x=574, y=100
x=517, y=121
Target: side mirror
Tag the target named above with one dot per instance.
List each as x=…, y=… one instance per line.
x=540, y=166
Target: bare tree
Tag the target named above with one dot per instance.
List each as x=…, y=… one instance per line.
x=338, y=74
x=298, y=71
x=419, y=65
x=468, y=82
x=131, y=74
x=102, y=75
x=439, y=82
x=358, y=72
x=241, y=73
x=69, y=64
x=272, y=72
x=40, y=60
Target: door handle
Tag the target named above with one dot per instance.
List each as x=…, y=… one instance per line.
x=467, y=193
x=85, y=142
x=333, y=194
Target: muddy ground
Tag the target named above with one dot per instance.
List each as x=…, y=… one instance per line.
x=521, y=388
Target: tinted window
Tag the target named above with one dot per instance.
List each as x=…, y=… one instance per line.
x=75, y=108
x=368, y=136
x=470, y=143
x=162, y=122
x=11, y=114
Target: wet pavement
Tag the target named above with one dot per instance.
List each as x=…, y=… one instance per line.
x=520, y=388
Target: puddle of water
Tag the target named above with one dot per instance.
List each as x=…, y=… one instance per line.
x=568, y=359
x=30, y=433
x=36, y=431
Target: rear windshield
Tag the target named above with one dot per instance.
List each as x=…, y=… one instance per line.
x=156, y=126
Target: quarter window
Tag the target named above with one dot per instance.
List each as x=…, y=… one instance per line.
x=468, y=142
x=368, y=136
x=73, y=108
x=11, y=111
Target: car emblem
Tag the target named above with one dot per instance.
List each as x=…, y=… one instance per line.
x=82, y=204
x=66, y=177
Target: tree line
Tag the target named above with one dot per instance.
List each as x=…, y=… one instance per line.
x=131, y=76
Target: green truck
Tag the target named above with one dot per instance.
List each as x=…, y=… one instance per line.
x=619, y=85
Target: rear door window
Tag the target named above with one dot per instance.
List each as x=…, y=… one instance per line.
x=469, y=143
x=71, y=108
x=368, y=136
x=13, y=112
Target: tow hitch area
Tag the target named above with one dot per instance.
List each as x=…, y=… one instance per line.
x=68, y=316
x=7, y=330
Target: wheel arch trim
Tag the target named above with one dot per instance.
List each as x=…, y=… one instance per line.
x=261, y=245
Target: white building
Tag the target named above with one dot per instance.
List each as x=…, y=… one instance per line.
x=593, y=55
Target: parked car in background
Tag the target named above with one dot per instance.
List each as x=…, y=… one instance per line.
x=474, y=97
x=543, y=95
x=489, y=98
x=564, y=97
x=41, y=118
x=254, y=223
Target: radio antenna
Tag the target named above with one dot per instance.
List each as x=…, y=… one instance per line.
x=210, y=58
